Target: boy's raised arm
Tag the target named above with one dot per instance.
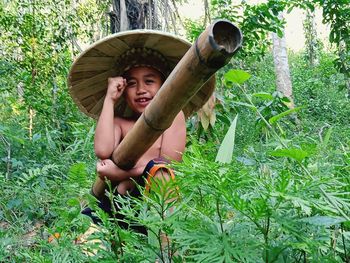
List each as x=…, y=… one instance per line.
x=108, y=132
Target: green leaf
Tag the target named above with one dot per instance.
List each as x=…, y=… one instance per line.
x=323, y=220
x=263, y=95
x=294, y=153
x=246, y=161
x=36, y=137
x=237, y=76
x=290, y=9
x=245, y=104
x=327, y=136
x=226, y=148
x=78, y=174
x=273, y=253
x=283, y=114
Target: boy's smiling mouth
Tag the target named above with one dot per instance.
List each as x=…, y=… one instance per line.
x=142, y=100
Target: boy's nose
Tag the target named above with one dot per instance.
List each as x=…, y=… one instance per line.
x=140, y=89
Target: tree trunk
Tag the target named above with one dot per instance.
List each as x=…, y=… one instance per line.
x=133, y=14
x=280, y=57
x=140, y=14
x=206, y=13
x=154, y=15
x=342, y=53
x=311, y=41
x=124, y=23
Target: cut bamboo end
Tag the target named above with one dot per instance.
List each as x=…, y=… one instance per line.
x=226, y=36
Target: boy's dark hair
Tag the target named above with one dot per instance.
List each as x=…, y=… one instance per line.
x=142, y=57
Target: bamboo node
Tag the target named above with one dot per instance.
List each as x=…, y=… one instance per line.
x=149, y=124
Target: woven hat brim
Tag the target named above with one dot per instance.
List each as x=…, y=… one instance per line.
x=88, y=77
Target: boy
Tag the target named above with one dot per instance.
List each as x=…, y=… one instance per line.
x=138, y=85
x=141, y=60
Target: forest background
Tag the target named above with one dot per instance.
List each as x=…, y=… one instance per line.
x=265, y=177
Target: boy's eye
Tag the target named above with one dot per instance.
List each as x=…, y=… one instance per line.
x=131, y=83
x=149, y=81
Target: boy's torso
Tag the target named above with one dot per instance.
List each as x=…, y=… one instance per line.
x=168, y=145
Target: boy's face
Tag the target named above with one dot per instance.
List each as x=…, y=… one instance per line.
x=142, y=85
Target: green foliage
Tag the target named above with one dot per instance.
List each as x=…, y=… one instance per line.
x=255, y=21
x=37, y=51
x=265, y=208
x=237, y=76
x=337, y=15
x=258, y=20
x=319, y=90
x=193, y=30
x=30, y=205
x=263, y=200
x=279, y=116
x=279, y=199
x=294, y=153
x=226, y=148
x=274, y=188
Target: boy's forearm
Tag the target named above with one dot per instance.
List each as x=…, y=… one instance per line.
x=104, y=134
x=115, y=174
x=132, y=173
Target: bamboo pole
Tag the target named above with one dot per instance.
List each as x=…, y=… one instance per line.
x=212, y=50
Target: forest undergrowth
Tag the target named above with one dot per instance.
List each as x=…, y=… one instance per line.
x=264, y=184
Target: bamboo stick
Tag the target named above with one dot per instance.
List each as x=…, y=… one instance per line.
x=212, y=50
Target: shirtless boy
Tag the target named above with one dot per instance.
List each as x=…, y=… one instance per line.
x=138, y=86
x=139, y=61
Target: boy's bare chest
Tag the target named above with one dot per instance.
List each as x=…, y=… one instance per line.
x=155, y=150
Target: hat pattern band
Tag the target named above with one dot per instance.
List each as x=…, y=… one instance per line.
x=142, y=57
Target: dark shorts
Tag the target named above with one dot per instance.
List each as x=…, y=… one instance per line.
x=105, y=203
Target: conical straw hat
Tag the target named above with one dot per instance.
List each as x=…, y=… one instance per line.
x=110, y=56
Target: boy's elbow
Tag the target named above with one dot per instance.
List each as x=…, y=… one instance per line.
x=102, y=154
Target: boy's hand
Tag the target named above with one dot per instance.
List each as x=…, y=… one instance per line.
x=116, y=88
x=107, y=169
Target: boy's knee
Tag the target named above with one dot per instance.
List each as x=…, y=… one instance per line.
x=125, y=186
x=103, y=166
x=162, y=178
x=162, y=174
